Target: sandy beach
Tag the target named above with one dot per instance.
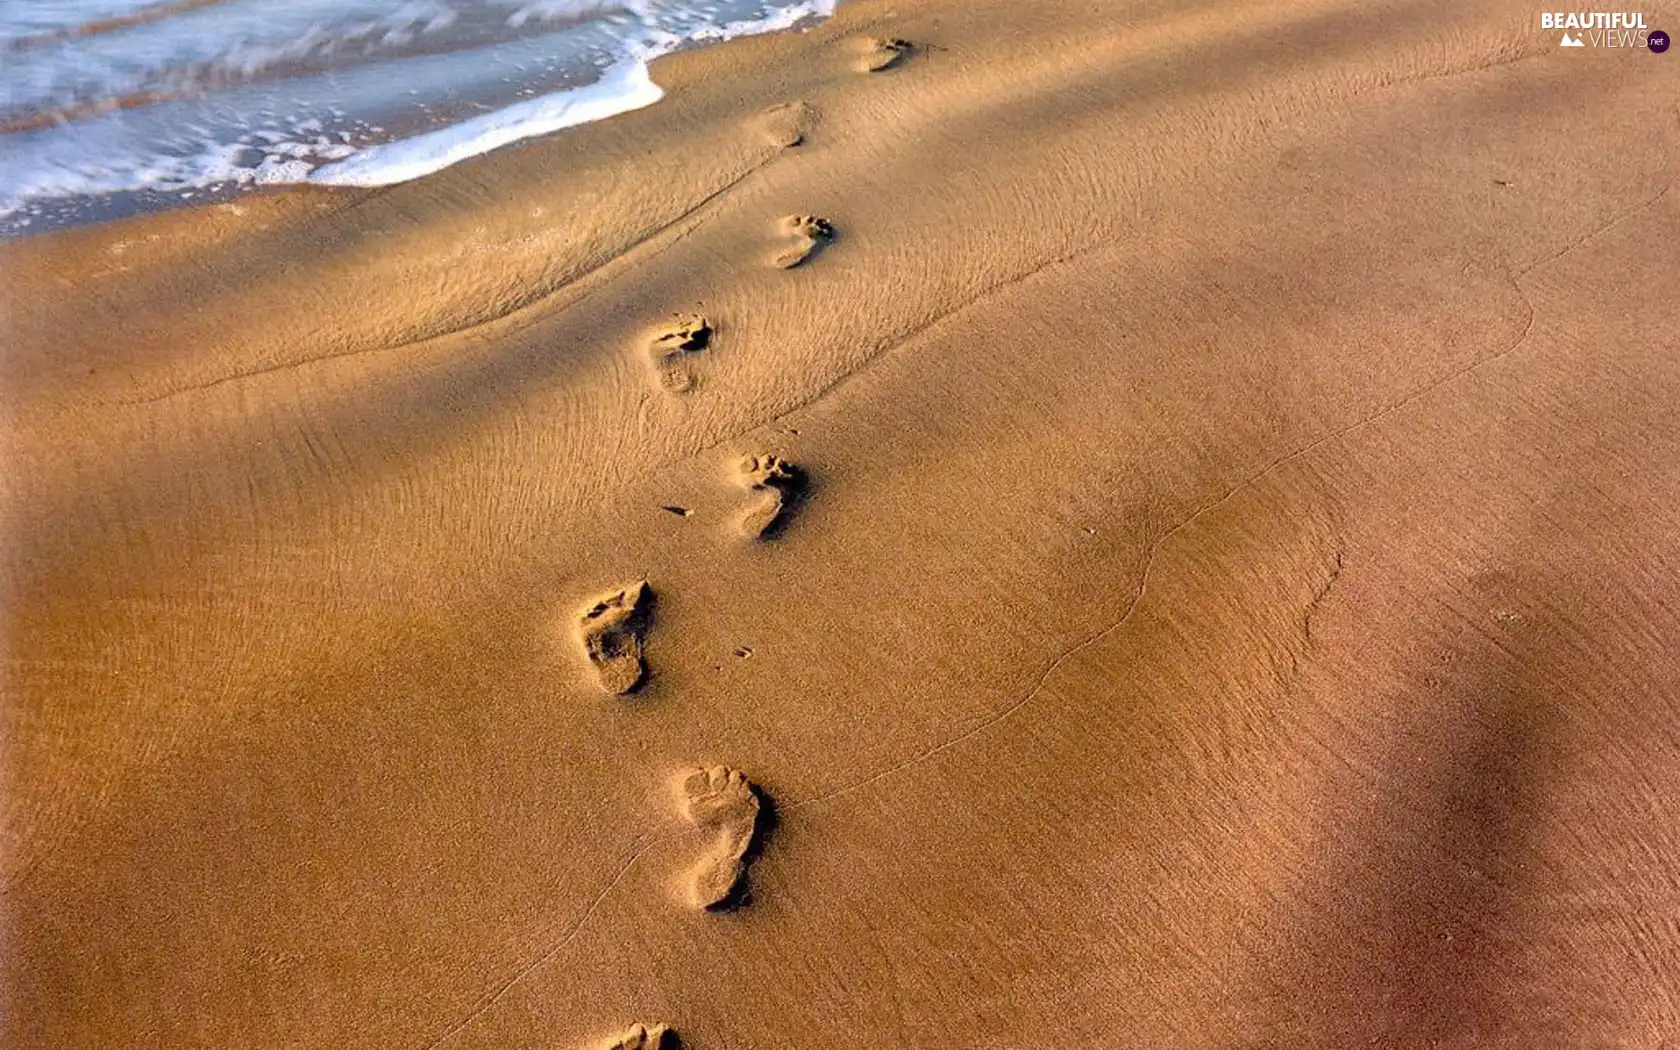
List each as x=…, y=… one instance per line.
x=982, y=524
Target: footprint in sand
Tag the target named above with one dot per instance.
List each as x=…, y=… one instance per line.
x=809, y=235
x=882, y=52
x=787, y=124
x=642, y=1037
x=722, y=803
x=611, y=631
x=672, y=347
x=779, y=486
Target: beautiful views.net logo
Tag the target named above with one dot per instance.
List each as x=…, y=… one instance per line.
x=1605, y=29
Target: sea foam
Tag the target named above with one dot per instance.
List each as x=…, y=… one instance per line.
x=106, y=120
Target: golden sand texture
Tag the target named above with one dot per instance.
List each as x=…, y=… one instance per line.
x=1230, y=600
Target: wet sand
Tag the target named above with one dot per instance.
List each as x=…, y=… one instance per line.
x=1214, y=586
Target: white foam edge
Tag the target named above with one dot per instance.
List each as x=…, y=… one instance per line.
x=625, y=86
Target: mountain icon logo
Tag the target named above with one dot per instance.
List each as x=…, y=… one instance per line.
x=1571, y=41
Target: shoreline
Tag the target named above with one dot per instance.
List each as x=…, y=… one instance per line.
x=424, y=148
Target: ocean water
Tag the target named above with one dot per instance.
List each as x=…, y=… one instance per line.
x=111, y=106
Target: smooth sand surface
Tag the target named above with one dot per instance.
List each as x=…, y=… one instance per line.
x=1229, y=598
